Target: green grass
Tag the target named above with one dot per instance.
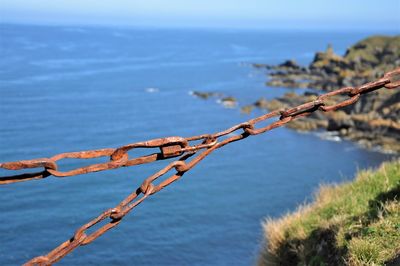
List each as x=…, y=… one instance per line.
x=355, y=223
x=369, y=48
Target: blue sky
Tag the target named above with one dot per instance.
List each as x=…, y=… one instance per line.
x=299, y=14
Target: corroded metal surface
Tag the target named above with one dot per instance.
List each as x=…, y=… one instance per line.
x=171, y=147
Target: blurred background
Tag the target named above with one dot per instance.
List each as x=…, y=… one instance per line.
x=78, y=75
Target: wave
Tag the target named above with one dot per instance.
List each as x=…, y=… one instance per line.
x=78, y=30
x=82, y=73
x=329, y=135
x=152, y=90
x=67, y=62
x=122, y=35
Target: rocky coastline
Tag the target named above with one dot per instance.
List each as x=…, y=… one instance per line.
x=373, y=122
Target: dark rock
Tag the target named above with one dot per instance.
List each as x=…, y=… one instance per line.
x=261, y=103
x=291, y=64
x=229, y=102
x=247, y=109
x=310, y=93
x=261, y=65
x=206, y=95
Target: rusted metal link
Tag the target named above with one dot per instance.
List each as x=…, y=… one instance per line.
x=169, y=148
x=280, y=122
x=41, y=162
x=176, y=146
x=301, y=109
x=344, y=91
x=23, y=177
x=394, y=78
x=371, y=86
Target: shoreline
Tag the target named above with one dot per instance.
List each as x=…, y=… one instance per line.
x=373, y=122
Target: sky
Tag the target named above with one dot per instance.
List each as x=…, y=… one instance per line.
x=269, y=14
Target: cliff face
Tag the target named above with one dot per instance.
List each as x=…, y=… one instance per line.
x=374, y=120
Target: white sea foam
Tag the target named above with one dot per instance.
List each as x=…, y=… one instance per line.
x=152, y=90
x=329, y=135
x=227, y=104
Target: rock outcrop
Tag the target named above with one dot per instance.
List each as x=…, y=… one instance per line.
x=374, y=120
x=364, y=61
x=226, y=101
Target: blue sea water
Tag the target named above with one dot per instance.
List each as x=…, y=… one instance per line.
x=77, y=88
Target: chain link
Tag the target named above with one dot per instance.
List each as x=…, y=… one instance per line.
x=171, y=147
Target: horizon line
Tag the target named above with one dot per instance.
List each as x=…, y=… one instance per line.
x=395, y=30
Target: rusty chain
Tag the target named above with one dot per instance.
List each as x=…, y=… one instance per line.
x=171, y=147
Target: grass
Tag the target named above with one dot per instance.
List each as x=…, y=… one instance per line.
x=355, y=223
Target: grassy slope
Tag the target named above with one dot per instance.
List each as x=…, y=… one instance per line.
x=369, y=49
x=356, y=223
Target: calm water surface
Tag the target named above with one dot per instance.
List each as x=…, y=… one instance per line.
x=73, y=88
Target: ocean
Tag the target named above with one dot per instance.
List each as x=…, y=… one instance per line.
x=70, y=88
